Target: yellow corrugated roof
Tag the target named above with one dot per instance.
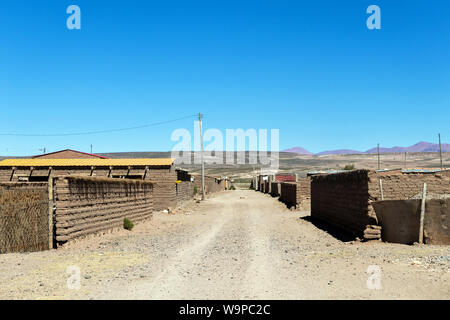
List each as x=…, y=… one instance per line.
x=85, y=162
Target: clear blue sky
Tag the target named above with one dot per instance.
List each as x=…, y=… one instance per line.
x=309, y=68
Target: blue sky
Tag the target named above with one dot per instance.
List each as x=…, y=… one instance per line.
x=311, y=69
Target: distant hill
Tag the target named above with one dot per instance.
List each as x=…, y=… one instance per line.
x=298, y=150
x=339, y=151
x=418, y=147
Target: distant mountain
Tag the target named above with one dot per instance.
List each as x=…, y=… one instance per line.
x=418, y=147
x=299, y=150
x=339, y=151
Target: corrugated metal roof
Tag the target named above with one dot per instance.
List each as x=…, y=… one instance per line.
x=85, y=162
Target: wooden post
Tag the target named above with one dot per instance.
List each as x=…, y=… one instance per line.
x=422, y=212
x=381, y=190
x=201, y=155
x=12, y=173
x=440, y=151
x=50, y=213
x=378, y=151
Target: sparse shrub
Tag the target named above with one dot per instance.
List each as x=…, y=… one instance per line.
x=195, y=189
x=349, y=167
x=232, y=188
x=127, y=224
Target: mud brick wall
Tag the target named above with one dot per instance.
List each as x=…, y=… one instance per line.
x=261, y=184
x=185, y=191
x=275, y=189
x=212, y=184
x=407, y=185
x=294, y=193
x=344, y=199
x=164, y=195
x=164, y=189
x=25, y=223
x=87, y=206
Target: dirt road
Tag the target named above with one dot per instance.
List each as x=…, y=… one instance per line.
x=235, y=245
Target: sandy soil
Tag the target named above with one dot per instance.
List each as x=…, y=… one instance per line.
x=235, y=245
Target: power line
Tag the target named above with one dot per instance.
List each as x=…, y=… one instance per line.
x=94, y=132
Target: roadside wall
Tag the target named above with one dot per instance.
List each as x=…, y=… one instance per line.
x=295, y=193
x=400, y=221
x=276, y=189
x=345, y=199
x=408, y=185
x=212, y=184
x=25, y=223
x=185, y=191
x=87, y=206
x=164, y=188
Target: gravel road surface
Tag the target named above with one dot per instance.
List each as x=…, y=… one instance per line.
x=237, y=244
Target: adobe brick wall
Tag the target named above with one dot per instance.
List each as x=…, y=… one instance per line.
x=87, y=206
x=212, y=184
x=164, y=177
x=185, y=191
x=400, y=220
x=407, y=185
x=344, y=199
x=295, y=193
x=275, y=189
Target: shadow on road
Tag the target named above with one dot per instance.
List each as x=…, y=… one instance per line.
x=337, y=233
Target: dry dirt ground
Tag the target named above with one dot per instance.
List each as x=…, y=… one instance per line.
x=235, y=245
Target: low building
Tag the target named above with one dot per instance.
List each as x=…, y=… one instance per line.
x=159, y=171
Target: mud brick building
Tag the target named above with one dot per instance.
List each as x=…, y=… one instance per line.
x=159, y=171
x=344, y=199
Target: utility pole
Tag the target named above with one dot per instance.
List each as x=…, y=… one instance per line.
x=91, y=148
x=440, y=151
x=201, y=156
x=406, y=153
x=378, y=148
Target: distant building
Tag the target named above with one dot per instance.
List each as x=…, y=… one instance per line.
x=68, y=154
x=285, y=177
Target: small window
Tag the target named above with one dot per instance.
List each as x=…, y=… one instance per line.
x=38, y=179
